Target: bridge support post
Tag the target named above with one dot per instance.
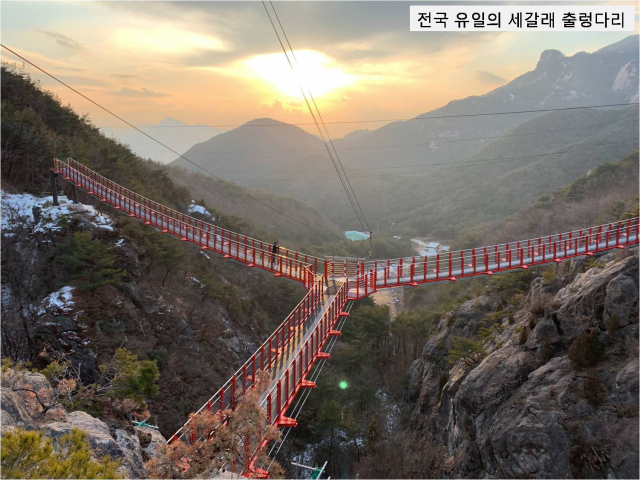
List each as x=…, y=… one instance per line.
x=74, y=192
x=54, y=191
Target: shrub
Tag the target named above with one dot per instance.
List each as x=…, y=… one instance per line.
x=549, y=275
x=612, y=324
x=593, y=389
x=32, y=455
x=586, y=350
x=486, y=332
x=466, y=349
x=524, y=334
x=160, y=356
x=539, y=303
x=133, y=378
x=220, y=440
x=588, y=460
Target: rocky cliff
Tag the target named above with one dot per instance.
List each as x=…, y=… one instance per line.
x=556, y=395
x=131, y=445
x=198, y=316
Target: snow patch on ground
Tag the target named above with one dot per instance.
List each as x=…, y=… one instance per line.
x=194, y=208
x=17, y=209
x=61, y=299
x=623, y=77
x=120, y=243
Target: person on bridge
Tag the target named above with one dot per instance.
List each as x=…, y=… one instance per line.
x=275, y=250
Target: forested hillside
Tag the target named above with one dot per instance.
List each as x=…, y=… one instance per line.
x=607, y=193
x=83, y=281
x=512, y=350
x=446, y=197
x=36, y=128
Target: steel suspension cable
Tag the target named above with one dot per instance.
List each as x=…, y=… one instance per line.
x=322, y=120
x=235, y=187
x=450, y=165
x=303, y=398
x=432, y=117
x=361, y=220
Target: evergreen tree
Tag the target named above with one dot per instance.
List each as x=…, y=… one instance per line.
x=32, y=455
x=89, y=261
x=132, y=378
x=166, y=251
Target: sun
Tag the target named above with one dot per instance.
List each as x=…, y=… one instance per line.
x=315, y=70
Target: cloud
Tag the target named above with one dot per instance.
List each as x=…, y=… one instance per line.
x=491, y=78
x=63, y=40
x=143, y=92
x=125, y=76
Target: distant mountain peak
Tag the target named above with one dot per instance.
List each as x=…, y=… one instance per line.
x=550, y=57
x=265, y=121
x=171, y=122
x=356, y=134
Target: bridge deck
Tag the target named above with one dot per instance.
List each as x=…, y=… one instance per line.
x=291, y=351
x=300, y=339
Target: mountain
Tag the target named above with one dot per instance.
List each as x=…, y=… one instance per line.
x=606, y=76
x=286, y=159
x=257, y=146
x=422, y=201
x=174, y=133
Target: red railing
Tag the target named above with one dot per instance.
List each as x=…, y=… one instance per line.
x=296, y=353
x=290, y=380
x=451, y=266
x=254, y=253
x=265, y=357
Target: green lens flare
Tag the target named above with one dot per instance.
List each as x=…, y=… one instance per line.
x=343, y=385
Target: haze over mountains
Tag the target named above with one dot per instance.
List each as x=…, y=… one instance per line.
x=174, y=133
x=387, y=166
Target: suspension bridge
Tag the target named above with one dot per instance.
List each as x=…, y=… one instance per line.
x=291, y=351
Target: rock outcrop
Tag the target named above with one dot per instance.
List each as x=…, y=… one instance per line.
x=131, y=445
x=525, y=411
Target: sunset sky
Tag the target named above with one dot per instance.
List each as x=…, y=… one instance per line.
x=220, y=63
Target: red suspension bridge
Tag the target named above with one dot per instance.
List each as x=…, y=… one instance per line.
x=291, y=351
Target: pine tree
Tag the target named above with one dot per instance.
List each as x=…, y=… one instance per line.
x=89, y=261
x=165, y=251
x=27, y=454
x=131, y=378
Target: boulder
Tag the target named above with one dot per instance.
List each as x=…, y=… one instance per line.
x=545, y=333
x=15, y=412
x=20, y=410
x=101, y=441
x=526, y=438
x=584, y=298
x=621, y=301
x=151, y=441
